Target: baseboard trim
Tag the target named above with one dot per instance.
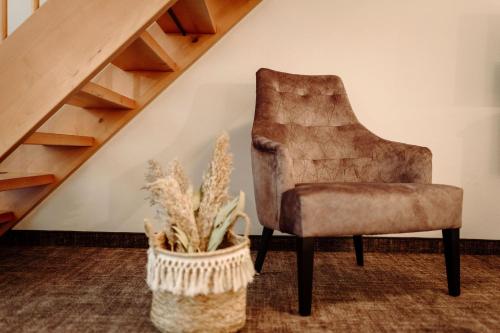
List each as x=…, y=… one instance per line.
x=278, y=243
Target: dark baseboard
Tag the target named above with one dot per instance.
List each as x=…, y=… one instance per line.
x=73, y=238
x=278, y=243
x=385, y=244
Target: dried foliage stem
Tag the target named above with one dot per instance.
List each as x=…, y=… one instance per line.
x=176, y=171
x=180, y=210
x=188, y=218
x=214, y=189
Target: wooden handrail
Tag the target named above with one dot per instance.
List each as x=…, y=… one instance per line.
x=5, y=29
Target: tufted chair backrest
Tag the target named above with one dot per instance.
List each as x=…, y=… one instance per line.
x=305, y=131
x=312, y=117
x=302, y=100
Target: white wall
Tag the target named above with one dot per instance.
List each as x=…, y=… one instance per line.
x=425, y=72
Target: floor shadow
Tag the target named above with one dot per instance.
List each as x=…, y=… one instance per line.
x=337, y=280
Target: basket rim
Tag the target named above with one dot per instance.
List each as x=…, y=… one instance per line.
x=243, y=242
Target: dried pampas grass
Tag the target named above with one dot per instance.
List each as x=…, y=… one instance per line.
x=188, y=217
x=215, y=188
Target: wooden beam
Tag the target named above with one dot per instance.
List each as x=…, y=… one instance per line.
x=14, y=181
x=142, y=86
x=53, y=139
x=6, y=217
x=95, y=96
x=194, y=16
x=145, y=54
x=74, y=41
x=5, y=19
x=36, y=5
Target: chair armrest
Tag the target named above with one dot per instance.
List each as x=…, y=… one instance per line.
x=268, y=136
x=272, y=169
x=264, y=144
x=410, y=163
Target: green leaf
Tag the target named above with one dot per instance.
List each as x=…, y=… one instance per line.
x=224, y=219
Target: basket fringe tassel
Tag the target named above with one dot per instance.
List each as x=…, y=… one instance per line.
x=228, y=272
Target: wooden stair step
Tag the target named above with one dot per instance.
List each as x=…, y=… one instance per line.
x=6, y=217
x=95, y=96
x=14, y=181
x=145, y=54
x=193, y=15
x=54, y=139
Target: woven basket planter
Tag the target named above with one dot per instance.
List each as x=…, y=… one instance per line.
x=200, y=292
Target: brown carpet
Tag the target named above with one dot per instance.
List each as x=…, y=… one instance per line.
x=63, y=289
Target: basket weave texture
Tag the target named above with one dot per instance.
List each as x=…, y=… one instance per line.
x=200, y=292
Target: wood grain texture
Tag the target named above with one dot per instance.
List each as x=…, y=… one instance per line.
x=6, y=217
x=4, y=17
x=35, y=5
x=74, y=41
x=54, y=139
x=102, y=123
x=194, y=16
x=145, y=54
x=95, y=96
x=14, y=181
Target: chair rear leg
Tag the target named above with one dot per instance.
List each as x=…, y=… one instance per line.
x=305, y=263
x=358, y=247
x=267, y=234
x=451, y=240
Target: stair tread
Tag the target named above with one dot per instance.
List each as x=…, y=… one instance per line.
x=6, y=217
x=54, y=139
x=58, y=49
x=95, y=96
x=193, y=15
x=145, y=54
x=36, y=87
x=14, y=180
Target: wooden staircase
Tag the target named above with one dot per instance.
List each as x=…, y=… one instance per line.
x=77, y=71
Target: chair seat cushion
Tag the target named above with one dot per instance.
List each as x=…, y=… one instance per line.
x=341, y=209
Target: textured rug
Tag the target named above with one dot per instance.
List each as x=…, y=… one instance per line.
x=63, y=289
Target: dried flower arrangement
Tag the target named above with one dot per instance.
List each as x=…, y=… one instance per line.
x=194, y=221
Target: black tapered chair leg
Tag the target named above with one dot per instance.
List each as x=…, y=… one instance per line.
x=267, y=234
x=305, y=263
x=451, y=240
x=358, y=247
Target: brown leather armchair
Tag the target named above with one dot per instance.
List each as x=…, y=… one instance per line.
x=318, y=173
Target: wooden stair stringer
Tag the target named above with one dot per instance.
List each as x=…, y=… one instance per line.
x=103, y=124
x=68, y=70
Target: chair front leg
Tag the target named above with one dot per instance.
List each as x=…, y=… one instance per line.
x=267, y=234
x=451, y=240
x=358, y=247
x=305, y=263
